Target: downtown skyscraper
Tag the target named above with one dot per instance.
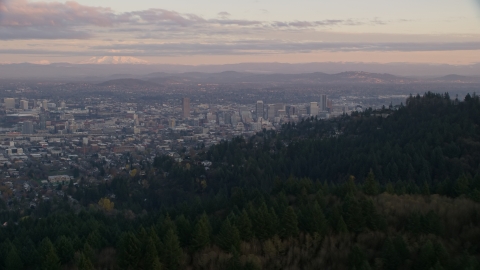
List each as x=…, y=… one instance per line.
x=186, y=107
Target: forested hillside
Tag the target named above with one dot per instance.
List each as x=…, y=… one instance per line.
x=375, y=190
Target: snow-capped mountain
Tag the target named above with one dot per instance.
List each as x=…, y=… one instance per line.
x=114, y=60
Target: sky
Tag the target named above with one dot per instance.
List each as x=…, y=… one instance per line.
x=197, y=32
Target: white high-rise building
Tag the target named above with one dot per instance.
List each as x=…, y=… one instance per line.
x=313, y=108
x=9, y=103
x=24, y=104
x=323, y=103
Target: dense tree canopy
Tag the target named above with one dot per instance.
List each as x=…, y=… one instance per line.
x=373, y=190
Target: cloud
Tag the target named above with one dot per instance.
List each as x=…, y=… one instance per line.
x=23, y=19
x=24, y=13
x=223, y=14
x=26, y=33
x=3, y=8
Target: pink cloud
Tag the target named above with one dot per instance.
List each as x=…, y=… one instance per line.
x=24, y=13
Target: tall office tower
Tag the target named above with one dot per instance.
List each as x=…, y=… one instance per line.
x=323, y=103
x=62, y=105
x=45, y=105
x=9, y=103
x=234, y=119
x=27, y=127
x=259, y=110
x=228, y=118
x=186, y=107
x=313, y=108
x=270, y=111
x=43, y=121
x=24, y=104
x=291, y=110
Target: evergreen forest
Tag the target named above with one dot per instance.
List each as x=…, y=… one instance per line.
x=380, y=189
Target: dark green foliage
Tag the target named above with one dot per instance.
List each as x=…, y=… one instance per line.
x=201, y=233
x=172, y=254
x=391, y=258
x=64, y=249
x=318, y=220
x=341, y=226
x=13, y=260
x=354, y=192
x=229, y=236
x=356, y=258
x=84, y=263
x=129, y=251
x=371, y=186
x=48, y=257
x=150, y=258
x=88, y=252
x=289, y=223
x=244, y=225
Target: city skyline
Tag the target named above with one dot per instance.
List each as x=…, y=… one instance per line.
x=223, y=32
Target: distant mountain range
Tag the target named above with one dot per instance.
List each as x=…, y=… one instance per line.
x=101, y=69
x=157, y=79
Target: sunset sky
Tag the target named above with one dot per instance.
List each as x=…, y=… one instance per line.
x=227, y=31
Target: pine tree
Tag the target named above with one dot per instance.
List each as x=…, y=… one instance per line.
x=353, y=215
x=129, y=251
x=29, y=254
x=244, y=225
x=84, y=263
x=289, y=223
x=184, y=230
x=88, y=252
x=341, y=226
x=261, y=221
x=370, y=214
x=13, y=260
x=228, y=236
x=95, y=240
x=64, y=249
x=391, y=260
x=319, y=222
x=48, y=257
x=156, y=240
x=201, y=234
x=273, y=223
x=166, y=224
x=150, y=259
x=371, y=186
x=172, y=255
